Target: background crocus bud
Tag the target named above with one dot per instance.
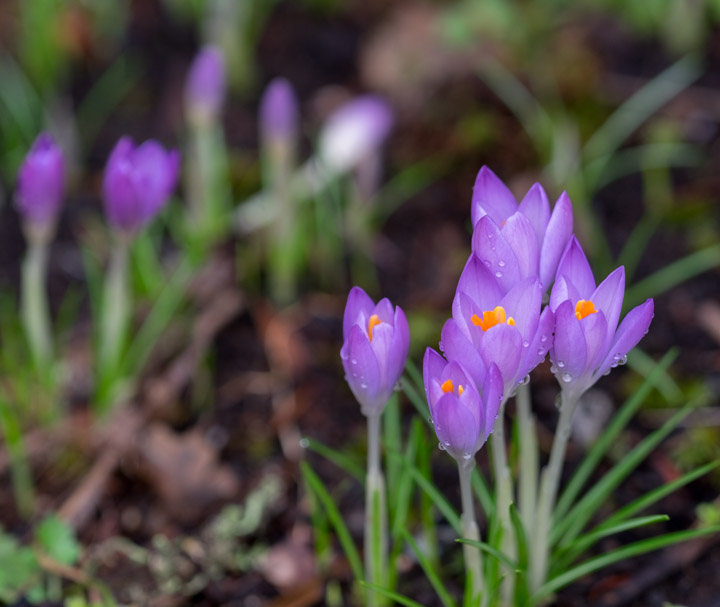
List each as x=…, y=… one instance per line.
x=41, y=184
x=354, y=132
x=375, y=349
x=138, y=182
x=463, y=419
x=278, y=113
x=206, y=85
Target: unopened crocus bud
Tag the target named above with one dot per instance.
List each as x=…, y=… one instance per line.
x=375, y=349
x=206, y=85
x=463, y=417
x=278, y=113
x=138, y=182
x=354, y=132
x=41, y=184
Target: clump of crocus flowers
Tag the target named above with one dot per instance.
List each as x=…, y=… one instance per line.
x=526, y=291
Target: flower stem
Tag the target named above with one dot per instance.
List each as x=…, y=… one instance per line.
x=472, y=555
x=375, y=516
x=22, y=482
x=548, y=491
x=504, y=496
x=35, y=314
x=528, y=484
x=115, y=315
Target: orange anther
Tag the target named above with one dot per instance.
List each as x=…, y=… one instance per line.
x=447, y=386
x=372, y=323
x=491, y=318
x=584, y=308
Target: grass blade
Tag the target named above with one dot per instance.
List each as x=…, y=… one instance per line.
x=314, y=483
x=483, y=493
x=398, y=598
x=341, y=460
x=609, y=436
x=430, y=572
x=621, y=554
x=491, y=550
x=437, y=497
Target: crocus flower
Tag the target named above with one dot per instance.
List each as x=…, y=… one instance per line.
x=518, y=241
x=375, y=349
x=354, y=132
x=279, y=112
x=138, y=182
x=463, y=418
x=490, y=326
x=588, y=341
x=205, y=87
x=41, y=183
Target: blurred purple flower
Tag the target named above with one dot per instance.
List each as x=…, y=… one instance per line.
x=205, y=87
x=463, y=418
x=355, y=131
x=138, y=182
x=490, y=326
x=41, y=182
x=588, y=342
x=375, y=349
x=518, y=241
x=279, y=112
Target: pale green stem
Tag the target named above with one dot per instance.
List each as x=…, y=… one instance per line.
x=504, y=496
x=473, y=557
x=34, y=304
x=528, y=484
x=21, y=473
x=375, y=517
x=548, y=491
x=115, y=312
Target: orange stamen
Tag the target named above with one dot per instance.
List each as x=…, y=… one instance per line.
x=491, y=318
x=447, y=386
x=584, y=308
x=372, y=323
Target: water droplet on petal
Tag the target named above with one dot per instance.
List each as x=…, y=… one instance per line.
x=553, y=369
x=498, y=274
x=363, y=385
x=354, y=361
x=540, y=352
x=561, y=364
x=526, y=344
x=543, y=338
x=430, y=419
x=623, y=360
x=501, y=264
x=566, y=377
x=304, y=443
x=486, y=262
x=467, y=455
x=441, y=447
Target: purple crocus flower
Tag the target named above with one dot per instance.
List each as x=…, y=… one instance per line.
x=206, y=85
x=588, y=341
x=279, y=112
x=490, y=326
x=138, y=182
x=375, y=349
x=463, y=418
x=354, y=131
x=518, y=241
x=41, y=183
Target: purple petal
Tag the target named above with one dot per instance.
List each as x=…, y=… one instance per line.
x=502, y=345
x=458, y=347
x=155, y=174
x=540, y=344
x=536, y=208
x=489, y=244
x=523, y=303
x=594, y=328
x=520, y=235
x=492, y=396
x=608, y=297
x=381, y=342
x=559, y=231
x=279, y=111
x=456, y=427
x=398, y=352
x=433, y=366
x=479, y=284
x=385, y=311
x=569, y=352
x=41, y=181
x=491, y=197
x=358, y=310
x=562, y=291
x=575, y=267
x=362, y=371
x=206, y=85
x=631, y=330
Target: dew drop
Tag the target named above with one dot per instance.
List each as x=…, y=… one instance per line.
x=498, y=274
x=526, y=344
x=486, y=262
x=354, y=361
x=363, y=385
x=553, y=369
x=623, y=360
x=447, y=443
x=566, y=377
x=524, y=381
x=543, y=338
x=561, y=364
x=441, y=447
x=501, y=263
x=540, y=352
x=304, y=443
x=430, y=419
x=467, y=456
